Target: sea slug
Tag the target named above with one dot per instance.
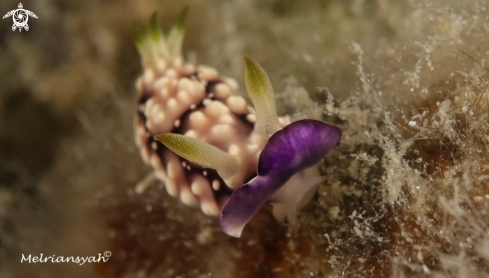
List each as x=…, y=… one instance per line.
x=210, y=147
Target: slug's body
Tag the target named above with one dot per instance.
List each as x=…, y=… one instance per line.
x=217, y=136
x=198, y=103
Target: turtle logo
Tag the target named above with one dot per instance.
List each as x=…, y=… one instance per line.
x=20, y=17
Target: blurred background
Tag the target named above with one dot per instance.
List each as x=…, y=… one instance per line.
x=69, y=165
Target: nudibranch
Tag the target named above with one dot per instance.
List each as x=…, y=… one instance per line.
x=210, y=148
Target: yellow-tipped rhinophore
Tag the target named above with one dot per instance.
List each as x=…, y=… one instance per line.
x=201, y=153
x=261, y=94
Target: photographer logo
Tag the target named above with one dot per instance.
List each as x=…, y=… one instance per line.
x=20, y=17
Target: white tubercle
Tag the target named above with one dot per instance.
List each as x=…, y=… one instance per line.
x=198, y=119
x=163, y=93
x=160, y=174
x=185, y=84
x=202, y=188
x=196, y=89
x=226, y=119
x=171, y=73
x=209, y=207
x=184, y=98
x=144, y=155
x=206, y=101
x=172, y=169
x=158, y=116
x=161, y=83
x=171, y=186
x=137, y=140
x=149, y=106
x=216, y=184
x=251, y=118
x=207, y=73
x=199, y=185
x=237, y=104
x=234, y=150
x=191, y=133
x=148, y=76
x=222, y=91
x=221, y=131
x=187, y=197
x=216, y=109
x=187, y=69
x=172, y=106
x=160, y=65
x=173, y=84
x=140, y=85
x=231, y=83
